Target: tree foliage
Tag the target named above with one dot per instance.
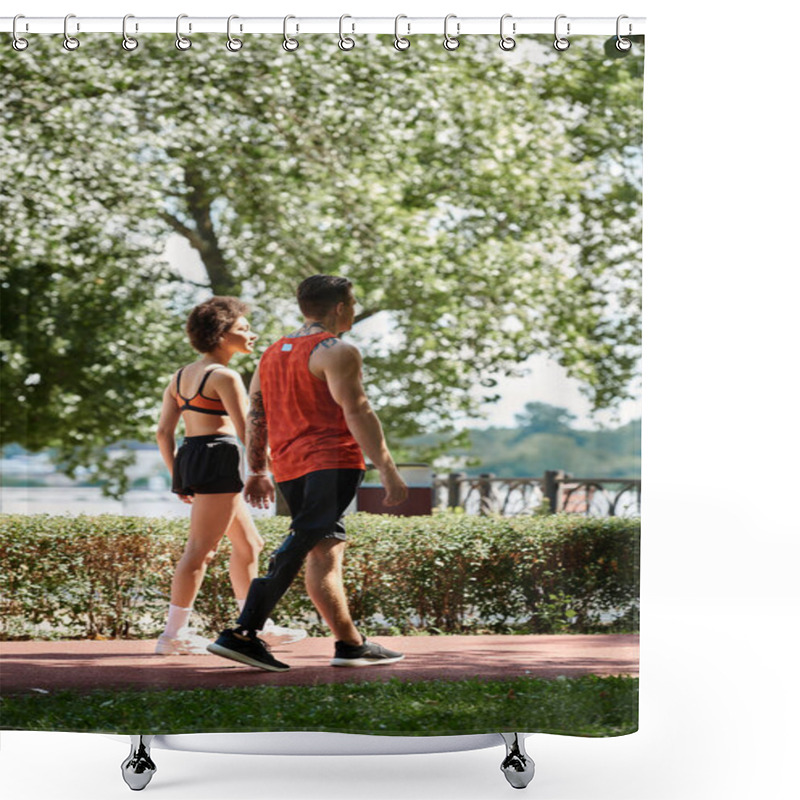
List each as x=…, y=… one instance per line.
x=511, y=453
x=486, y=205
x=543, y=418
x=547, y=438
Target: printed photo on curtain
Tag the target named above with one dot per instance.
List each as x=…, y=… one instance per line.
x=321, y=385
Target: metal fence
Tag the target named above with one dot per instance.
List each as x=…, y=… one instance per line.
x=554, y=492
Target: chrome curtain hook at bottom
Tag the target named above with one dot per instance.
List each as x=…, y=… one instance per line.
x=17, y=42
x=451, y=42
x=400, y=42
x=622, y=44
x=233, y=44
x=345, y=42
x=128, y=42
x=507, y=42
x=181, y=41
x=560, y=42
x=70, y=42
x=289, y=44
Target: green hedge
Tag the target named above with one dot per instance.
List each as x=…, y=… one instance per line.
x=110, y=576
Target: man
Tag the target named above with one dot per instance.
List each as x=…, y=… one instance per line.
x=307, y=403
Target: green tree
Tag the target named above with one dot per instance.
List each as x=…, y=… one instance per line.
x=543, y=418
x=546, y=440
x=485, y=204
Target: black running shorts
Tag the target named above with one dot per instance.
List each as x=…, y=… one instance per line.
x=208, y=465
x=317, y=501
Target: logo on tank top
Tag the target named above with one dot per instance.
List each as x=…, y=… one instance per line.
x=286, y=348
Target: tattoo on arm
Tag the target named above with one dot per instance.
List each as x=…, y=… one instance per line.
x=257, y=458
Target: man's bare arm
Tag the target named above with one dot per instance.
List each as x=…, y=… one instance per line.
x=341, y=368
x=256, y=429
x=259, y=490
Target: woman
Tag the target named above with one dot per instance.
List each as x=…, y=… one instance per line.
x=207, y=469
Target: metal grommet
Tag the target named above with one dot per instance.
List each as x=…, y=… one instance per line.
x=560, y=42
x=400, y=42
x=70, y=42
x=507, y=42
x=234, y=45
x=181, y=41
x=17, y=42
x=128, y=42
x=622, y=44
x=345, y=42
x=451, y=42
x=289, y=44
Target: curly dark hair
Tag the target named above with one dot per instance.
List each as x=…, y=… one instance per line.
x=209, y=321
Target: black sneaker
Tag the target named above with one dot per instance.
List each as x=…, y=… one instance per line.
x=245, y=650
x=367, y=654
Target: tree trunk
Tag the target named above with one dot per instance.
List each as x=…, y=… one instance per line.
x=198, y=203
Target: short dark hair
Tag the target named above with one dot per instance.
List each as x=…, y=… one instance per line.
x=209, y=321
x=318, y=294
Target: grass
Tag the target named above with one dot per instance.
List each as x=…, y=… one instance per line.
x=585, y=706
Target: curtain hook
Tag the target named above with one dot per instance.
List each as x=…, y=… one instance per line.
x=623, y=44
x=234, y=45
x=17, y=42
x=181, y=41
x=128, y=42
x=561, y=43
x=289, y=44
x=451, y=42
x=401, y=43
x=70, y=42
x=507, y=42
x=345, y=42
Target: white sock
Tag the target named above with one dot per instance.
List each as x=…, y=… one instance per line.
x=176, y=620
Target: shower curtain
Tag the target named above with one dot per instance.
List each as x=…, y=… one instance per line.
x=485, y=202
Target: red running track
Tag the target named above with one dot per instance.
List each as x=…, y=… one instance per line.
x=131, y=664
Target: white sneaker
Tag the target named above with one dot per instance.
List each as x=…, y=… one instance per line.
x=275, y=635
x=186, y=643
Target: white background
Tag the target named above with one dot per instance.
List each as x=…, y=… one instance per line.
x=719, y=701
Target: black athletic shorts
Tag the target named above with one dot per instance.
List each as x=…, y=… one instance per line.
x=208, y=465
x=317, y=501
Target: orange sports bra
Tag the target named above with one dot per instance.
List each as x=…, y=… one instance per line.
x=199, y=402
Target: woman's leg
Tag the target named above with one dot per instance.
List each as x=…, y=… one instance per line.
x=246, y=545
x=211, y=517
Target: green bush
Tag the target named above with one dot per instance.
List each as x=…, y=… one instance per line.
x=110, y=576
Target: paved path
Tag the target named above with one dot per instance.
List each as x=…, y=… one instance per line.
x=119, y=664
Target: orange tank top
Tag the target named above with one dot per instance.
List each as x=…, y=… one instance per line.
x=305, y=426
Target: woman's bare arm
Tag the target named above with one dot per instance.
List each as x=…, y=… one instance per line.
x=167, y=423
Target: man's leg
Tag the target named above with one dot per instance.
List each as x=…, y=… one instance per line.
x=264, y=593
x=242, y=643
x=284, y=564
x=317, y=502
x=325, y=587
